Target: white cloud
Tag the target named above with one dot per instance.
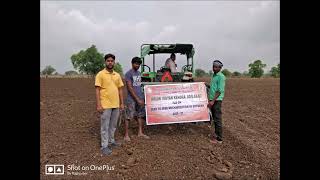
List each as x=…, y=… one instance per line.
x=235, y=32
x=168, y=33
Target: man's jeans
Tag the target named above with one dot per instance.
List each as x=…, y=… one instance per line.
x=109, y=119
x=217, y=119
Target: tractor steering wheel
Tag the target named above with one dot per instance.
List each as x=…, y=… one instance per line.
x=187, y=68
x=164, y=68
x=147, y=67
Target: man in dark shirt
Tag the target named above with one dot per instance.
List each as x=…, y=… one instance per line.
x=135, y=106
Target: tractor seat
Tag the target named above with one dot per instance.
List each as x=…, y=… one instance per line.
x=164, y=69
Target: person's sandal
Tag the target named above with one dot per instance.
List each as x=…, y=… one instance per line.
x=144, y=136
x=215, y=141
x=106, y=151
x=115, y=145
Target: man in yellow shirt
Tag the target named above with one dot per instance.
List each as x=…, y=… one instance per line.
x=109, y=97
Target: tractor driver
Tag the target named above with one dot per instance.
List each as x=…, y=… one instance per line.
x=170, y=63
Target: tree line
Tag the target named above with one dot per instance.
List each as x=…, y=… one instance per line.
x=255, y=71
x=90, y=61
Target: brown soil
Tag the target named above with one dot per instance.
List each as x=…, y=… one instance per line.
x=70, y=134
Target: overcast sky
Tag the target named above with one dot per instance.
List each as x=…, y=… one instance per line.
x=235, y=32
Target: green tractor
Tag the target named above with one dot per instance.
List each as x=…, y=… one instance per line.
x=164, y=75
x=152, y=76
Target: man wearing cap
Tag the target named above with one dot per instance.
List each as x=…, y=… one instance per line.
x=135, y=99
x=216, y=95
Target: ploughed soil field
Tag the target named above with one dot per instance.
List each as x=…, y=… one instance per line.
x=70, y=136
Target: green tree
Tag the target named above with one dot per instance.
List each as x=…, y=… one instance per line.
x=88, y=61
x=68, y=73
x=48, y=70
x=226, y=72
x=267, y=74
x=275, y=71
x=256, y=68
x=118, y=68
x=245, y=73
x=200, y=73
x=236, y=74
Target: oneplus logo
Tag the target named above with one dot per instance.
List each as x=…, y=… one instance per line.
x=54, y=169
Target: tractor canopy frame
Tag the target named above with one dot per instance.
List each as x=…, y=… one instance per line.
x=183, y=49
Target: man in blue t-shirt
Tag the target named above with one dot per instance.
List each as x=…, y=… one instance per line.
x=135, y=99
